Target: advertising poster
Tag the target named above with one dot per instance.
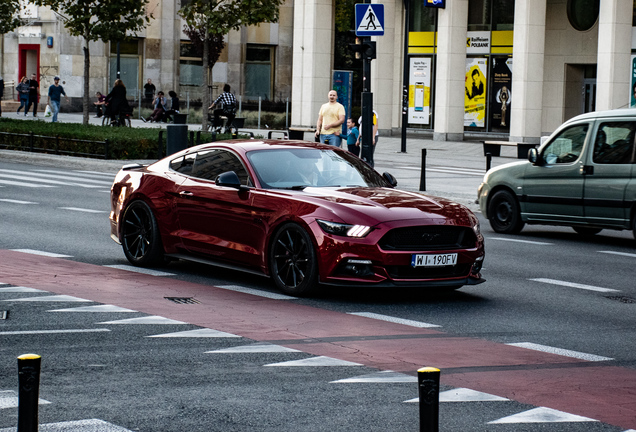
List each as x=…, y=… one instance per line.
x=342, y=85
x=501, y=93
x=419, y=90
x=475, y=92
x=632, y=88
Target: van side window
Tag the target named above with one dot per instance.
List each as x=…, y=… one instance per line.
x=567, y=146
x=614, y=143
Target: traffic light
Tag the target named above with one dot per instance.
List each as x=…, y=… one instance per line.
x=363, y=49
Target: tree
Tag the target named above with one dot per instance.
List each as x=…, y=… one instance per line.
x=218, y=17
x=10, y=15
x=105, y=20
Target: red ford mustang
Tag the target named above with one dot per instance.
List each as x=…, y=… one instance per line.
x=301, y=213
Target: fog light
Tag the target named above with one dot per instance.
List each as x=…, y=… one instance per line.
x=358, y=267
x=477, y=265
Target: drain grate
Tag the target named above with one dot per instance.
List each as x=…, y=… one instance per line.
x=4, y=315
x=183, y=300
x=622, y=299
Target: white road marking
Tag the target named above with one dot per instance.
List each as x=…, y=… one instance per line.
x=153, y=319
x=98, y=308
x=38, y=332
x=198, y=333
x=542, y=415
x=42, y=253
x=395, y=320
x=140, y=270
x=464, y=395
x=20, y=289
x=12, y=201
x=254, y=348
x=574, y=285
x=387, y=376
x=9, y=399
x=631, y=255
x=30, y=178
x=23, y=184
x=520, y=241
x=266, y=294
x=52, y=298
x=91, y=425
x=82, y=210
x=98, y=173
x=88, y=177
x=320, y=361
x=560, y=351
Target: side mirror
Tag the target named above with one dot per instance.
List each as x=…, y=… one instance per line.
x=533, y=156
x=390, y=179
x=230, y=179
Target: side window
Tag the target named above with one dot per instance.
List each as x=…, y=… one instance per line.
x=614, y=143
x=209, y=164
x=183, y=164
x=567, y=146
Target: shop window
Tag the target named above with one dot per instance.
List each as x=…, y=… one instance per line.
x=258, y=71
x=583, y=14
x=486, y=15
x=421, y=18
x=190, y=66
x=479, y=15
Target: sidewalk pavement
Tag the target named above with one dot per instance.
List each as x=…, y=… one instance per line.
x=452, y=169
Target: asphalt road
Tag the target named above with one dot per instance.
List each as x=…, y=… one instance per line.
x=547, y=286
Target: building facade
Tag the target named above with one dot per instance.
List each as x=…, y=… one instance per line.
x=509, y=68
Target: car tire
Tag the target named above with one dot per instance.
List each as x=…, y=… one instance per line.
x=504, y=214
x=140, y=237
x=586, y=231
x=292, y=261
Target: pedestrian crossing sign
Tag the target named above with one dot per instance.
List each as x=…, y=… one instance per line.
x=369, y=19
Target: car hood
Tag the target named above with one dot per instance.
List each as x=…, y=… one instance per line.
x=385, y=204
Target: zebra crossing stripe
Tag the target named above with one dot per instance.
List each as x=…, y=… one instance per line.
x=542, y=415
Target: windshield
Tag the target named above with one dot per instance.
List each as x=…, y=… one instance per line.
x=298, y=168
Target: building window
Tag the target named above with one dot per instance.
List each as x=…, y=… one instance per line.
x=190, y=66
x=422, y=19
x=487, y=15
x=258, y=71
x=129, y=64
x=583, y=14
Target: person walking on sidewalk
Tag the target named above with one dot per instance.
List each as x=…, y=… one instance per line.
x=34, y=90
x=55, y=97
x=23, y=91
x=330, y=120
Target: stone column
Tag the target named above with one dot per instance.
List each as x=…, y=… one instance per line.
x=614, y=50
x=527, y=71
x=451, y=71
x=312, y=59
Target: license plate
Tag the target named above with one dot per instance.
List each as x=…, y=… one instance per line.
x=433, y=260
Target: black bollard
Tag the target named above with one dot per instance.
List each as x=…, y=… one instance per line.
x=423, y=172
x=28, y=396
x=428, y=386
x=160, y=145
x=488, y=161
x=198, y=137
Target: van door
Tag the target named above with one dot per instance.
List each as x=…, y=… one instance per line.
x=553, y=189
x=608, y=173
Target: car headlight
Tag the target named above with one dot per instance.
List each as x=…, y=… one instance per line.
x=477, y=228
x=345, y=230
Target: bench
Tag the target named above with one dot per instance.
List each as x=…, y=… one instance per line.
x=298, y=133
x=494, y=148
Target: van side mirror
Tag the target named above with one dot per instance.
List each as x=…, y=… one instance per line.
x=533, y=156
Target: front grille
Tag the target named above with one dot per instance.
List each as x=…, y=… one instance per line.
x=431, y=237
x=408, y=272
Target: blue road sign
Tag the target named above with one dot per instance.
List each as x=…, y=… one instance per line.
x=369, y=19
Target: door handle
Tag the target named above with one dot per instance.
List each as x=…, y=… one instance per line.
x=186, y=194
x=587, y=170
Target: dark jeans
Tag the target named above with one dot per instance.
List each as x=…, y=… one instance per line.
x=24, y=102
x=218, y=122
x=33, y=100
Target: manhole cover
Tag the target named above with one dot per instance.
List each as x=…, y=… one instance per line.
x=183, y=300
x=622, y=299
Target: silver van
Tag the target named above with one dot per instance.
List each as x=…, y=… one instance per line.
x=583, y=176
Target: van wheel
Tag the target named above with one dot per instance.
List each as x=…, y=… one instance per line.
x=504, y=214
x=634, y=226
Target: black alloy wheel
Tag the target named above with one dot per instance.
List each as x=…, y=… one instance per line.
x=140, y=235
x=293, y=265
x=504, y=214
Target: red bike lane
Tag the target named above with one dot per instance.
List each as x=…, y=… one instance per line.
x=598, y=390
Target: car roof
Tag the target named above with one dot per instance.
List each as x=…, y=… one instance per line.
x=251, y=144
x=623, y=112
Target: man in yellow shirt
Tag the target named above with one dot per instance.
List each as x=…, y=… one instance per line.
x=330, y=120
